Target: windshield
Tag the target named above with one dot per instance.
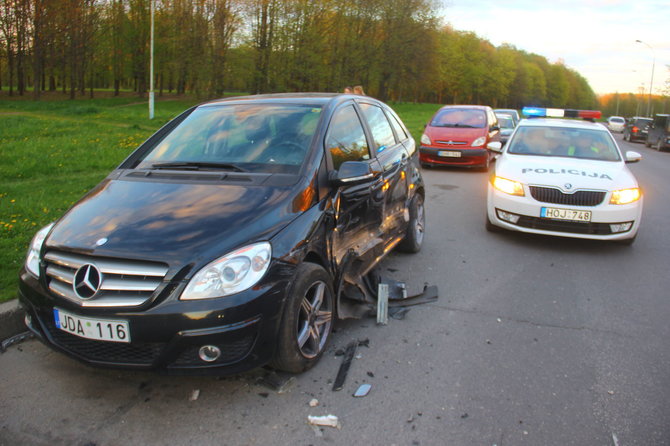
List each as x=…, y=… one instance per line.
x=249, y=137
x=459, y=117
x=505, y=121
x=565, y=142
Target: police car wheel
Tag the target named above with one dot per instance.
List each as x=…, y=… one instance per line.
x=490, y=226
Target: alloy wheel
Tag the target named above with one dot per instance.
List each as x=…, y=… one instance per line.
x=314, y=320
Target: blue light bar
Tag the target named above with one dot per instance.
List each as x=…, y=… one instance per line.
x=534, y=112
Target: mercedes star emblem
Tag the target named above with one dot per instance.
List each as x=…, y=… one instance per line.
x=87, y=281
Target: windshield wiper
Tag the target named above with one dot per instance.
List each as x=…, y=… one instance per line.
x=197, y=165
x=457, y=125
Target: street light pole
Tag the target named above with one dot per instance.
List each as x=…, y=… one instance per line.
x=653, y=68
x=151, y=65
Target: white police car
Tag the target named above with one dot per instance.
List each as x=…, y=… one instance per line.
x=564, y=178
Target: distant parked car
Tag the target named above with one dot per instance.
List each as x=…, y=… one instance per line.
x=509, y=111
x=507, y=126
x=616, y=123
x=636, y=129
x=458, y=135
x=659, y=133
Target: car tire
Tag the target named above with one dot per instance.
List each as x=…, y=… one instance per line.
x=307, y=320
x=659, y=145
x=490, y=226
x=627, y=241
x=416, y=227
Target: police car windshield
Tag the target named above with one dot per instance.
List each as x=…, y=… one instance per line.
x=564, y=142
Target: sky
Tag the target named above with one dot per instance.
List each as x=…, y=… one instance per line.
x=594, y=37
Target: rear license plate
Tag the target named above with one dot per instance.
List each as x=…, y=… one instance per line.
x=566, y=214
x=449, y=153
x=99, y=329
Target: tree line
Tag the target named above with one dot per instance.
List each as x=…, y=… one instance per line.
x=397, y=49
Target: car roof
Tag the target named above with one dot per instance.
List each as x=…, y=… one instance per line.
x=290, y=98
x=476, y=107
x=563, y=123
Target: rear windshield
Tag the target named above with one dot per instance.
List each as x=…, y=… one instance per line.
x=249, y=137
x=505, y=121
x=618, y=120
x=459, y=117
x=564, y=142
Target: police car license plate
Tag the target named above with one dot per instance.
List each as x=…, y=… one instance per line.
x=99, y=329
x=449, y=153
x=566, y=214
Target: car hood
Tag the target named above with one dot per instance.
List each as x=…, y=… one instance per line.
x=561, y=172
x=456, y=134
x=178, y=223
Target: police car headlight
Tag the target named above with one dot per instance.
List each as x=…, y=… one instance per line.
x=625, y=196
x=230, y=274
x=479, y=141
x=425, y=140
x=508, y=186
x=33, y=257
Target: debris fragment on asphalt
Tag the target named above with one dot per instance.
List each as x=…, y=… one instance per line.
x=362, y=390
x=16, y=339
x=611, y=392
x=382, y=304
x=364, y=342
x=280, y=383
x=326, y=420
x=194, y=395
x=344, y=366
x=398, y=313
x=465, y=415
x=313, y=402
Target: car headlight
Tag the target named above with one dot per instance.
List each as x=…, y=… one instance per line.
x=625, y=196
x=33, y=257
x=508, y=186
x=425, y=140
x=230, y=274
x=479, y=141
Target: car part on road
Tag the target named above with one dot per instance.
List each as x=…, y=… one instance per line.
x=16, y=339
x=362, y=390
x=349, y=354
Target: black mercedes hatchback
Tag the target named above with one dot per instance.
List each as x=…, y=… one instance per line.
x=233, y=237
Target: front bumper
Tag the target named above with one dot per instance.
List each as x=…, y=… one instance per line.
x=469, y=156
x=168, y=335
x=528, y=210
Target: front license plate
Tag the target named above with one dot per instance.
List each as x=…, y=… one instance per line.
x=99, y=329
x=566, y=214
x=449, y=153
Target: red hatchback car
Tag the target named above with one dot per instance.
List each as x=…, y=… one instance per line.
x=458, y=135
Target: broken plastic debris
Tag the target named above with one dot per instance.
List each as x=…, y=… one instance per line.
x=611, y=392
x=195, y=394
x=344, y=367
x=16, y=339
x=313, y=402
x=383, y=304
x=363, y=390
x=326, y=420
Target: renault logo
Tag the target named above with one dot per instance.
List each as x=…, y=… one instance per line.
x=87, y=281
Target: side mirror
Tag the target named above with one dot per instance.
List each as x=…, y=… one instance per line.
x=494, y=146
x=351, y=172
x=632, y=157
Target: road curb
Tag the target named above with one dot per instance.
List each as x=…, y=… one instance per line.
x=11, y=319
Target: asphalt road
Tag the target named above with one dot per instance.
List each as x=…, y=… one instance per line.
x=533, y=341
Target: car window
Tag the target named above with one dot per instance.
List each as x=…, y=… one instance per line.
x=346, y=139
x=506, y=121
x=564, y=142
x=256, y=138
x=399, y=130
x=379, y=125
x=459, y=117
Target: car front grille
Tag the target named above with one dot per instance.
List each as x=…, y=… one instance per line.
x=556, y=196
x=124, y=283
x=104, y=351
x=451, y=143
x=564, y=226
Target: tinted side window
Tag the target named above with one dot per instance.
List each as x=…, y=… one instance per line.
x=379, y=125
x=346, y=138
x=399, y=130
